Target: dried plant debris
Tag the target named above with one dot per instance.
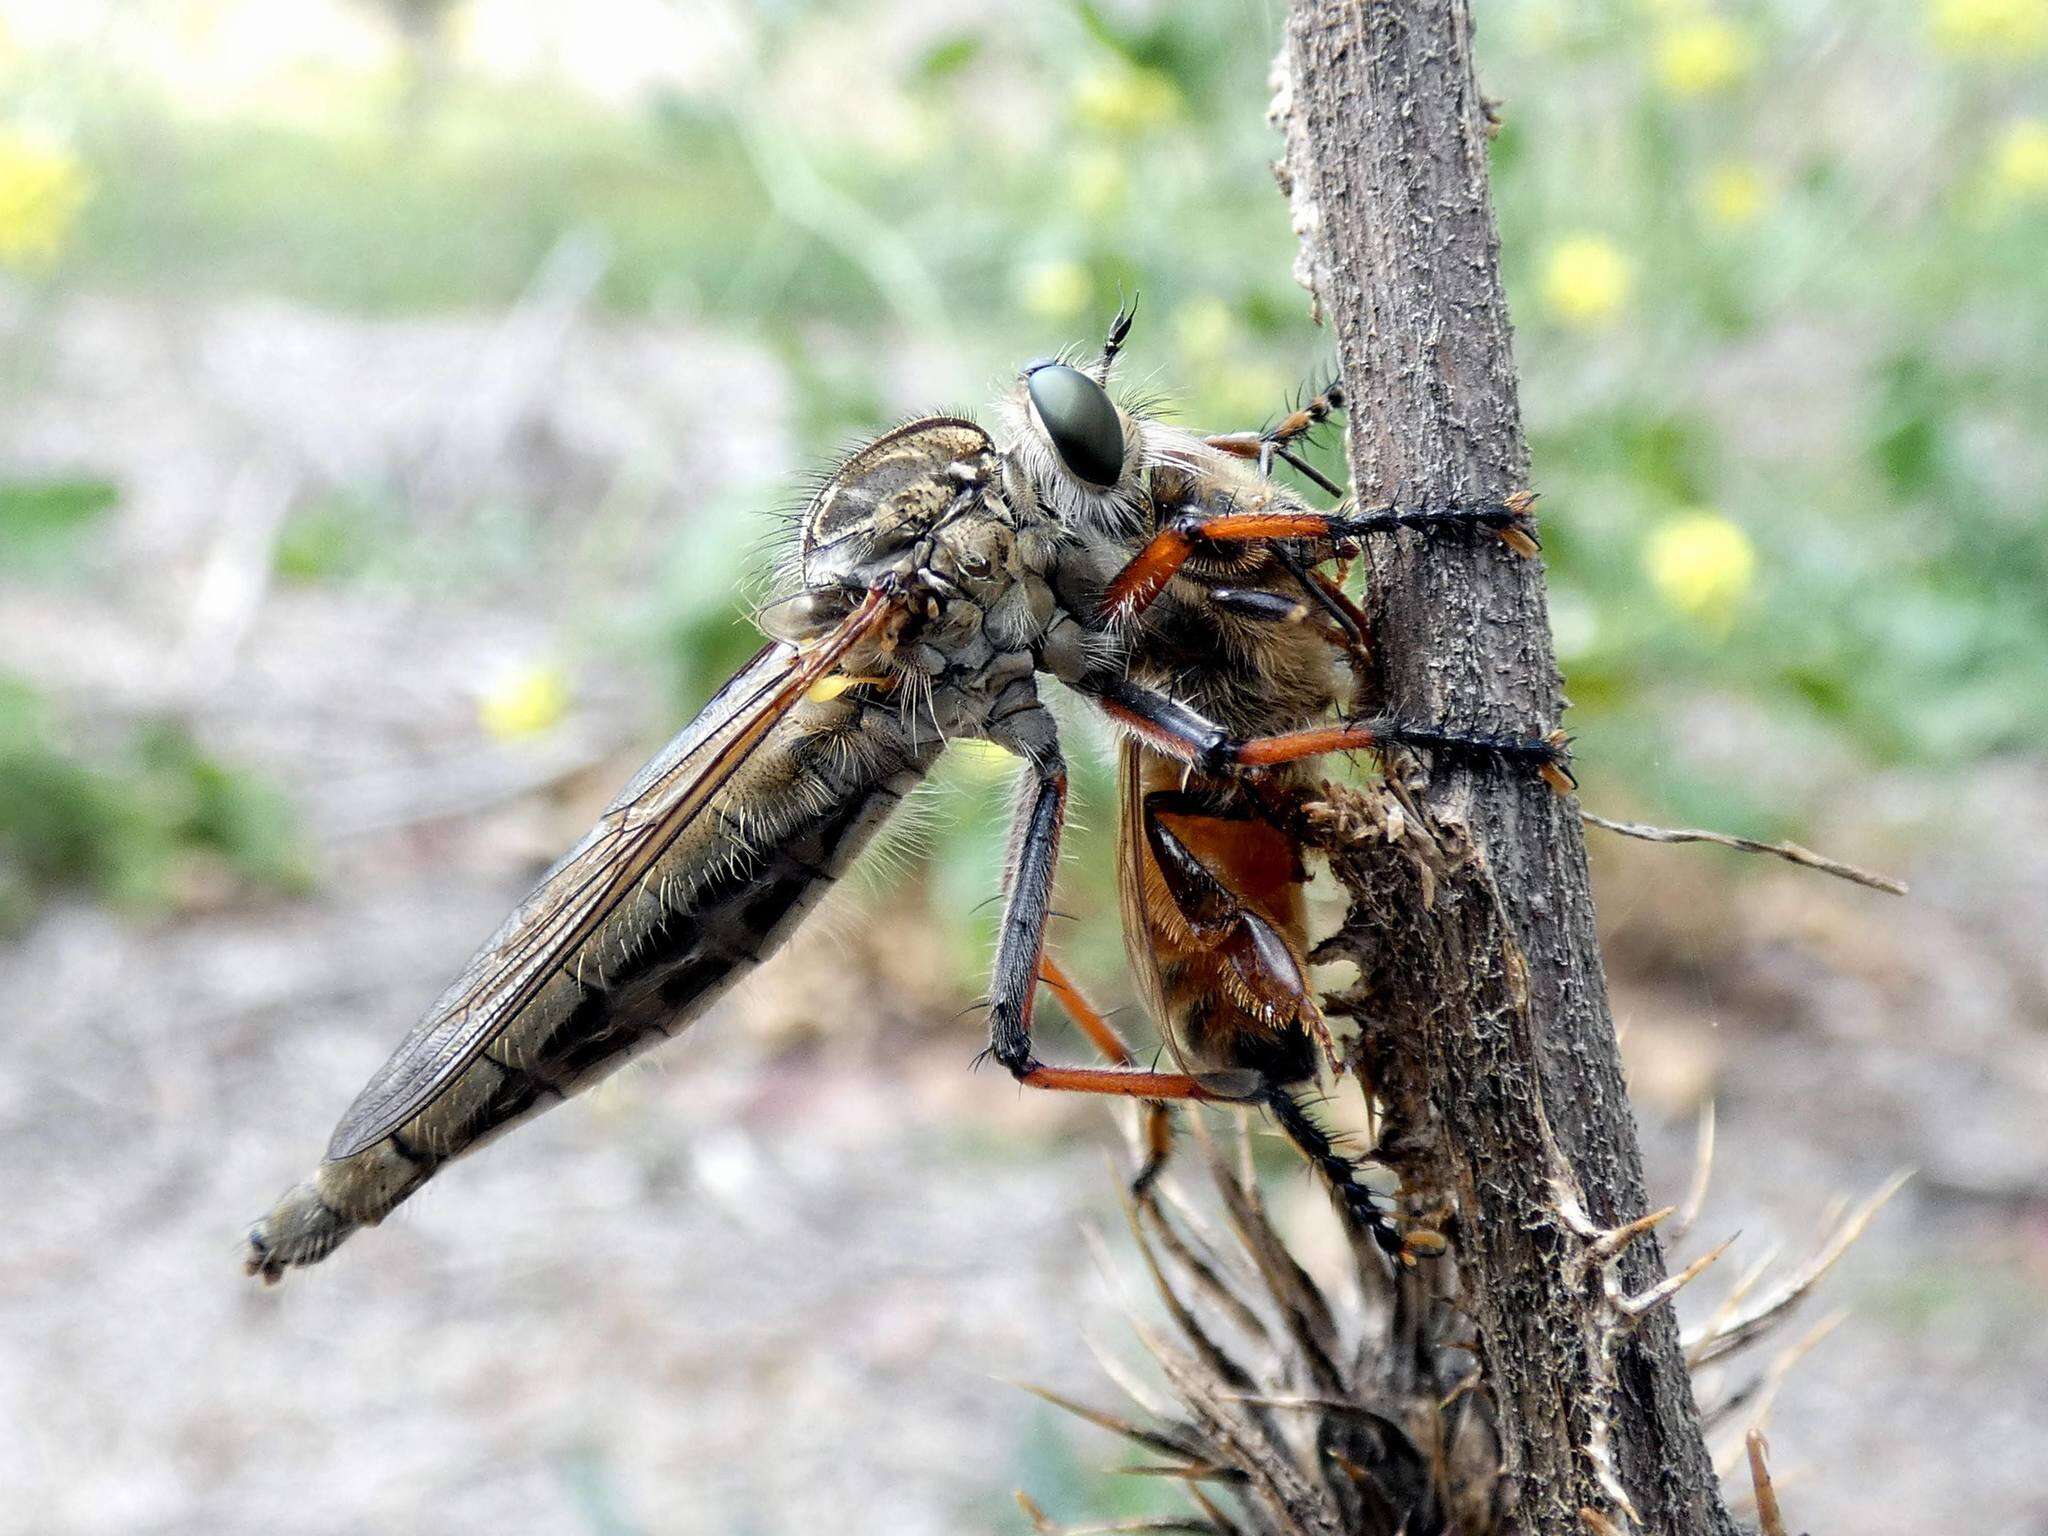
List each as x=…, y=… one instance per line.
x=1292, y=1408
x=1791, y=853
x=1294, y=1411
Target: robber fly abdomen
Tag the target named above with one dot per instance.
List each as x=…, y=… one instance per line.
x=707, y=910
x=919, y=608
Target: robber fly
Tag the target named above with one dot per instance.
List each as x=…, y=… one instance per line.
x=935, y=576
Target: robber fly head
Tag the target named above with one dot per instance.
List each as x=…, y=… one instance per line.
x=1083, y=457
x=1073, y=450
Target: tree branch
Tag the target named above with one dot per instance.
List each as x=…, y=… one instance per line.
x=1482, y=1002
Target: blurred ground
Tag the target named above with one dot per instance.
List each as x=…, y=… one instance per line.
x=381, y=472
x=768, y=1281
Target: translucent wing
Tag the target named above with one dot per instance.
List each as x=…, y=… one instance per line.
x=574, y=898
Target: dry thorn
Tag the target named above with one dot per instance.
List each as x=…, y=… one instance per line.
x=1744, y=1284
x=1634, y=1307
x=1769, y=1516
x=1773, y=1382
x=1125, y=1380
x=1040, y=1521
x=1792, y=853
x=1730, y=1329
x=1608, y=1246
x=1166, y=1445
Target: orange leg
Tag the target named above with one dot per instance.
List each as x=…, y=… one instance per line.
x=1546, y=753
x=1149, y=571
x=1158, y=1124
x=1020, y=961
x=1091, y=1021
x=1135, y=1083
x=1173, y=729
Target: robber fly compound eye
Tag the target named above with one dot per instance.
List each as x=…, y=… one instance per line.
x=1080, y=420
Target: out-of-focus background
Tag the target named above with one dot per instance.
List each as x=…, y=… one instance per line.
x=391, y=400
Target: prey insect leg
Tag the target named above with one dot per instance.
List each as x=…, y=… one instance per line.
x=1314, y=1143
x=1324, y=608
x=1092, y=1022
x=1147, y=573
x=1273, y=981
x=1278, y=439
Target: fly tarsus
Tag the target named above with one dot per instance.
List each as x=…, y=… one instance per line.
x=1361, y=1205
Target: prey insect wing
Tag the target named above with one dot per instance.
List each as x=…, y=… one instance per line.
x=1135, y=900
x=572, y=901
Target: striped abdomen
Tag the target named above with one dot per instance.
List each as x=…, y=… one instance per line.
x=723, y=892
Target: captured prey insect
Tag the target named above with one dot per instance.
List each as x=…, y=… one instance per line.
x=935, y=577
x=1238, y=661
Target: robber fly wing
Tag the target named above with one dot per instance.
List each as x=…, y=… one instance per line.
x=572, y=901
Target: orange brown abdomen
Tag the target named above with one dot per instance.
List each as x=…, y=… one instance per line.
x=1223, y=966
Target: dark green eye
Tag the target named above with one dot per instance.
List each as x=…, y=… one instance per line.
x=1080, y=421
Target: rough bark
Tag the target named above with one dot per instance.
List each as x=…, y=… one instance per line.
x=1482, y=1001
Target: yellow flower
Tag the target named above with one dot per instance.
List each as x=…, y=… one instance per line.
x=2019, y=163
x=1544, y=23
x=42, y=188
x=1735, y=195
x=1123, y=98
x=1703, y=56
x=524, y=702
x=1990, y=29
x=1097, y=181
x=1701, y=564
x=1055, y=290
x=1586, y=282
x=1204, y=328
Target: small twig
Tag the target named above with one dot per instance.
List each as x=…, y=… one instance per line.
x=1792, y=853
x=1729, y=1330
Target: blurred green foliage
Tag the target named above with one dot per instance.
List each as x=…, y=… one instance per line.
x=135, y=823
x=39, y=518
x=139, y=819
x=1778, y=270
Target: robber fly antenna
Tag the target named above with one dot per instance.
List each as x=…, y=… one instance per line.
x=1119, y=330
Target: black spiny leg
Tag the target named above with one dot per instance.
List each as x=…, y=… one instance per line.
x=1173, y=729
x=1357, y=1200
x=1020, y=955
